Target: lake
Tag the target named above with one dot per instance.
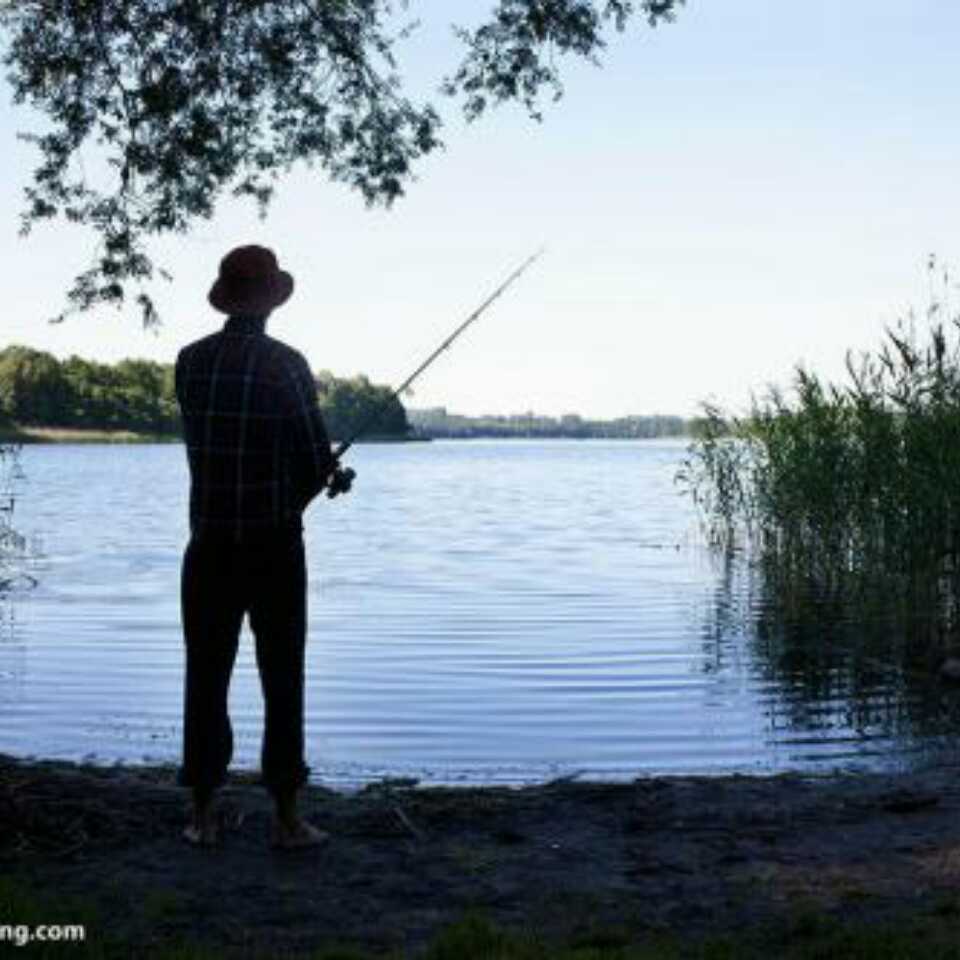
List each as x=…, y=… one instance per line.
x=480, y=612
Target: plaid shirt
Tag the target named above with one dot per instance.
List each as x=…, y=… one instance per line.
x=257, y=446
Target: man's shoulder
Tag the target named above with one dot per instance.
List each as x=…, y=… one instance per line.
x=198, y=346
x=277, y=360
x=283, y=351
x=283, y=356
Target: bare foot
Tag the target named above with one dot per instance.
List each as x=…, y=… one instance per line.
x=202, y=831
x=297, y=835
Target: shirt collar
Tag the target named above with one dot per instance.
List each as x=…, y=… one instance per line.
x=249, y=326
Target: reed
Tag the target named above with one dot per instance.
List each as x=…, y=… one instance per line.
x=848, y=489
x=12, y=544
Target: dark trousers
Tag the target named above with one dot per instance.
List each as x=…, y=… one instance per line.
x=220, y=583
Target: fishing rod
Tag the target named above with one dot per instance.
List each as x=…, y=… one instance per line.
x=375, y=415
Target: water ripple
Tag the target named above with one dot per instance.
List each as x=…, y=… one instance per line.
x=479, y=612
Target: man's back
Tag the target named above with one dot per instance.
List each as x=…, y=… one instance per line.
x=258, y=453
x=256, y=443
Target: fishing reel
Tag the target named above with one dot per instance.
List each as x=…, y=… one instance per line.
x=341, y=480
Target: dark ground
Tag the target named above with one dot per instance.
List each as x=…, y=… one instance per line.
x=689, y=855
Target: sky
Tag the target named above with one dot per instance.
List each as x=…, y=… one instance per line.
x=756, y=185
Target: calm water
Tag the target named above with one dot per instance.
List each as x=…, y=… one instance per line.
x=479, y=612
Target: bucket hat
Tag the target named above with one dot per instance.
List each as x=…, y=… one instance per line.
x=250, y=282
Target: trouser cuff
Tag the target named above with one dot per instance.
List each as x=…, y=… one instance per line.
x=286, y=782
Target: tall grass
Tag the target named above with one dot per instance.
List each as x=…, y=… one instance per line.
x=851, y=489
x=11, y=543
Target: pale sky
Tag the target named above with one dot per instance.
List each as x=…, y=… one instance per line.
x=754, y=185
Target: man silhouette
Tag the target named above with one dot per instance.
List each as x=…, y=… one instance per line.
x=258, y=453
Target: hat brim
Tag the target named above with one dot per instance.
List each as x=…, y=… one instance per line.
x=237, y=298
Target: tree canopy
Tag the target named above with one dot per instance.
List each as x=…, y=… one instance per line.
x=189, y=99
x=38, y=390
x=354, y=404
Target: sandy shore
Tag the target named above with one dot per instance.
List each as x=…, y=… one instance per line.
x=687, y=854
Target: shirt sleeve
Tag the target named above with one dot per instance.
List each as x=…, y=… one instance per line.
x=178, y=379
x=311, y=460
x=179, y=387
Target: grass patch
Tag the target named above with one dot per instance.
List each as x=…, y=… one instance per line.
x=808, y=935
x=19, y=434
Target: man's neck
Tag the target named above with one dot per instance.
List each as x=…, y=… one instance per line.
x=246, y=323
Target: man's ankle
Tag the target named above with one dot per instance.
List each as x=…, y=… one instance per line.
x=285, y=803
x=203, y=800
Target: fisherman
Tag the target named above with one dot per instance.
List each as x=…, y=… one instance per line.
x=258, y=452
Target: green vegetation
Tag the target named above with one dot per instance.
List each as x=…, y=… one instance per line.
x=808, y=935
x=37, y=390
x=184, y=102
x=45, y=399
x=42, y=398
x=350, y=405
x=436, y=422
x=11, y=542
x=848, y=490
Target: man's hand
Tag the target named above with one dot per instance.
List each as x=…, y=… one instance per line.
x=340, y=481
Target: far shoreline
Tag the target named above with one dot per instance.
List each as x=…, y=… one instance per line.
x=40, y=435
x=64, y=435
x=30, y=436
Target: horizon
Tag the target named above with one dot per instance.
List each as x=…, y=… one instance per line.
x=440, y=408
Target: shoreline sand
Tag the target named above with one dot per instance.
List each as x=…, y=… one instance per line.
x=683, y=855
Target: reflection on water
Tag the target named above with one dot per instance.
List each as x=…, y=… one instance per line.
x=14, y=576
x=852, y=679
x=12, y=543
x=479, y=612
x=13, y=653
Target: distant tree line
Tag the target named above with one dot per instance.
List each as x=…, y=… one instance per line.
x=38, y=390
x=436, y=422
x=354, y=404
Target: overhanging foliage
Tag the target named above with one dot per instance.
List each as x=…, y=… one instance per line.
x=188, y=99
